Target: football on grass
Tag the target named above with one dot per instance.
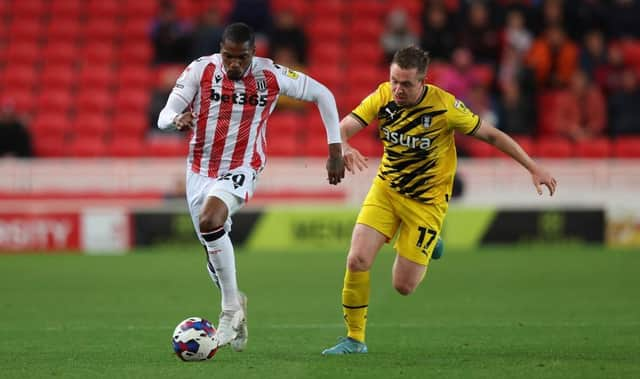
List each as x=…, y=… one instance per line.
x=193, y=340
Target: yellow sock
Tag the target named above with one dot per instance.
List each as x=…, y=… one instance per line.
x=355, y=303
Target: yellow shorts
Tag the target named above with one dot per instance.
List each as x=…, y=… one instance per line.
x=419, y=224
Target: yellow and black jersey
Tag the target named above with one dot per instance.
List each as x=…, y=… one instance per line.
x=419, y=159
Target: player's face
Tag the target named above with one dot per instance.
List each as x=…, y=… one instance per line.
x=236, y=58
x=406, y=85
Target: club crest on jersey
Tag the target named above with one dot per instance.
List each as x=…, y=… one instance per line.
x=426, y=120
x=261, y=84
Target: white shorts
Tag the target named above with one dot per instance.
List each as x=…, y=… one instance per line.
x=234, y=188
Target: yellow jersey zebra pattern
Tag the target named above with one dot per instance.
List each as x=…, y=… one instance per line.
x=419, y=159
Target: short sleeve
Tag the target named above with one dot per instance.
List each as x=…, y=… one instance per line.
x=460, y=117
x=368, y=109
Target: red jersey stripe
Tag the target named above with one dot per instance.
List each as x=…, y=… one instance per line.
x=272, y=90
x=203, y=116
x=248, y=111
x=222, y=127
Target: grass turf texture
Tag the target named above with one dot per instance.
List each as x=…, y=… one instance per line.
x=543, y=312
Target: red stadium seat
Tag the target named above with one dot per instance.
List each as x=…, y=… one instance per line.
x=478, y=149
x=135, y=77
x=365, y=32
x=94, y=100
x=140, y=8
x=50, y=125
x=366, y=78
x=60, y=52
x=328, y=54
x=139, y=53
x=553, y=148
x=58, y=77
x=55, y=101
x=547, y=102
x=91, y=124
x=413, y=7
x=132, y=100
x=65, y=9
x=328, y=10
x=167, y=146
x=25, y=30
x=596, y=148
x=283, y=145
x=22, y=99
x=50, y=146
x=64, y=30
x=126, y=147
x=103, y=9
x=626, y=147
x=367, y=144
x=99, y=54
x=367, y=54
x=527, y=143
x=136, y=30
x=286, y=123
x=132, y=124
x=330, y=76
x=101, y=29
x=23, y=53
x=368, y=10
x=100, y=77
x=90, y=146
x=28, y=9
x=19, y=77
x=328, y=29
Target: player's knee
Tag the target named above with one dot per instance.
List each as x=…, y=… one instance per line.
x=209, y=224
x=357, y=262
x=404, y=288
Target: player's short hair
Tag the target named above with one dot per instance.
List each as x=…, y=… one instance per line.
x=412, y=57
x=239, y=32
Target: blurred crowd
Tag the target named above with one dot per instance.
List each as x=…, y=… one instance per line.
x=541, y=68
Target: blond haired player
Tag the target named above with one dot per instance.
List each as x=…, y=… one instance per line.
x=410, y=194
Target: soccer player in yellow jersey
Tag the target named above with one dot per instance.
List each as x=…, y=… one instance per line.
x=410, y=194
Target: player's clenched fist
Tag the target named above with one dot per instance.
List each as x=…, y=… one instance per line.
x=185, y=121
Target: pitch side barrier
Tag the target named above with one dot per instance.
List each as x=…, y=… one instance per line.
x=111, y=205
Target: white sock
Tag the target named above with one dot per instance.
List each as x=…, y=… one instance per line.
x=223, y=261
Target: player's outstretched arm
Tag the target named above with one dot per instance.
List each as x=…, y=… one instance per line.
x=353, y=159
x=507, y=145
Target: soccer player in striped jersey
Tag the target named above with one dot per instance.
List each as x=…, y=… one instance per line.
x=410, y=194
x=227, y=99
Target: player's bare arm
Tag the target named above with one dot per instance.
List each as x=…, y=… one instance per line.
x=507, y=145
x=335, y=164
x=349, y=126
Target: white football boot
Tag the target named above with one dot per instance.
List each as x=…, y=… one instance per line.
x=228, y=326
x=239, y=343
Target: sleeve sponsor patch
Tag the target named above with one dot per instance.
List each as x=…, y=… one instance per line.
x=460, y=105
x=292, y=74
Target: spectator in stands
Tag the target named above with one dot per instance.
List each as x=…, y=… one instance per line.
x=171, y=37
x=623, y=19
x=287, y=56
x=551, y=12
x=479, y=35
x=516, y=111
x=609, y=75
x=397, y=34
x=167, y=77
x=287, y=33
x=554, y=58
x=458, y=78
x=207, y=33
x=593, y=52
x=624, y=106
x=255, y=13
x=580, y=111
x=15, y=139
x=585, y=15
x=438, y=36
x=515, y=34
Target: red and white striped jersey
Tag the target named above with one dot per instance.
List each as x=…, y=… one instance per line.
x=232, y=115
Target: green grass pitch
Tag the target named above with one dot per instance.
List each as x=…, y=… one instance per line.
x=537, y=312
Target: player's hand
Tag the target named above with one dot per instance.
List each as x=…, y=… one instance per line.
x=185, y=121
x=353, y=159
x=335, y=169
x=541, y=177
